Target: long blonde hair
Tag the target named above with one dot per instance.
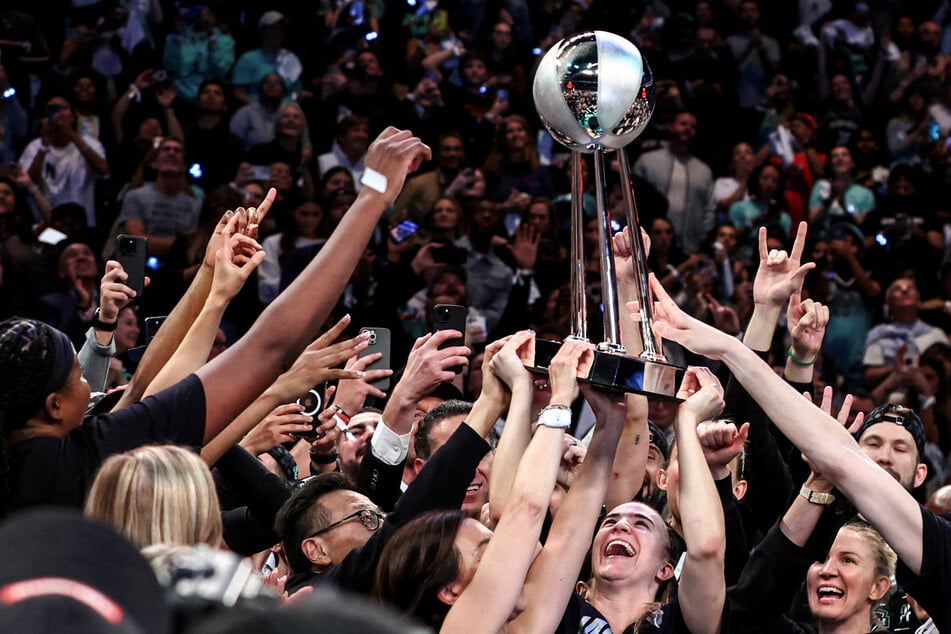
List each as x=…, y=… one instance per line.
x=157, y=494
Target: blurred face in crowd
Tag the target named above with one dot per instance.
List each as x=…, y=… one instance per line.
x=769, y=182
x=351, y=452
x=684, y=127
x=841, y=160
x=308, y=217
x=474, y=72
x=742, y=158
x=78, y=261
x=340, y=179
x=7, y=198
x=485, y=218
x=355, y=140
x=841, y=88
x=749, y=14
x=291, y=121
x=501, y=36
x=212, y=98
x=272, y=87
x=539, y=216
x=171, y=157
x=727, y=236
x=281, y=176
x=845, y=585
x=631, y=544
x=84, y=91
x=446, y=214
x=149, y=129
x=451, y=153
x=127, y=331
x=516, y=136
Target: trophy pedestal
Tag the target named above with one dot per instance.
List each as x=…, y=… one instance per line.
x=618, y=372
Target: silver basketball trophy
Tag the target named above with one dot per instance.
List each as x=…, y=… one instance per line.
x=595, y=93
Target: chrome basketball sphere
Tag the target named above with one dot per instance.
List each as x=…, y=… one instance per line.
x=594, y=90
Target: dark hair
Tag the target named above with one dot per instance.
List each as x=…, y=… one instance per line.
x=417, y=562
x=20, y=221
x=754, y=182
x=27, y=360
x=303, y=514
x=424, y=442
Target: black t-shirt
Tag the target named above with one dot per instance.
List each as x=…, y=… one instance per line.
x=581, y=616
x=932, y=587
x=59, y=471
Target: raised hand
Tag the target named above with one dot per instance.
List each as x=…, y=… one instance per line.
x=807, y=322
x=508, y=362
x=524, y=247
x=572, y=359
x=427, y=366
x=670, y=322
x=724, y=317
x=702, y=394
x=394, y=154
x=352, y=393
x=277, y=428
x=721, y=442
x=114, y=295
x=779, y=275
x=319, y=361
x=246, y=226
x=231, y=272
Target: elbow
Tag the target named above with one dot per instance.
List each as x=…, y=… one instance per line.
x=531, y=506
x=710, y=549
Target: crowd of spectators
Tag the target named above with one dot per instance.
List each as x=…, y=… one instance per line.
x=794, y=190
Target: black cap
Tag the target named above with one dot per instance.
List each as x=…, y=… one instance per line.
x=899, y=415
x=63, y=572
x=659, y=439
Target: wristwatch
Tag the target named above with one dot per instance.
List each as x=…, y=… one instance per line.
x=816, y=497
x=101, y=325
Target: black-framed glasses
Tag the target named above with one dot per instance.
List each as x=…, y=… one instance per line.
x=370, y=519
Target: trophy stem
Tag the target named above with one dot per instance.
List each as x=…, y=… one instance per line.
x=639, y=259
x=579, y=305
x=612, y=332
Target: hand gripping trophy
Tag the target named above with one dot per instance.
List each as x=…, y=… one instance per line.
x=595, y=93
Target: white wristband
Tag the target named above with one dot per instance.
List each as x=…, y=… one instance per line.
x=556, y=416
x=374, y=180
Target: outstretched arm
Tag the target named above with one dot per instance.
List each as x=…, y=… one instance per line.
x=875, y=493
x=702, y=588
x=302, y=308
x=486, y=604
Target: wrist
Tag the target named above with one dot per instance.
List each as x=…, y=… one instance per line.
x=720, y=472
x=804, y=361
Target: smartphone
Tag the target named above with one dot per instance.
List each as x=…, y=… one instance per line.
x=51, y=111
x=502, y=94
x=379, y=341
x=451, y=317
x=313, y=402
x=261, y=172
x=403, y=231
x=131, y=254
x=152, y=324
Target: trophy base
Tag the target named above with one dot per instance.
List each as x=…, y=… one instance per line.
x=618, y=372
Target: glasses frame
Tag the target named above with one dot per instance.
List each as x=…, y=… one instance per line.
x=371, y=520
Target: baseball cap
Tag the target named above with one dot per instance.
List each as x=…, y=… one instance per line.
x=899, y=415
x=270, y=18
x=63, y=572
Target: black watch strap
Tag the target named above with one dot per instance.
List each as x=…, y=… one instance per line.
x=101, y=325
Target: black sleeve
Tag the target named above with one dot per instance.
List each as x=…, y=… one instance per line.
x=737, y=548
x=770, y=484
x=768, y=583
x=932, y=586
x=441, y=484
x=254, y=495
x=380, y=481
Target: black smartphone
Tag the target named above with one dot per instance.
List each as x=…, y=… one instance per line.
x=379, y=341
x=403, y=231
x=131, y=254
x=451, y=317
x=152, y=324
x=313, y=402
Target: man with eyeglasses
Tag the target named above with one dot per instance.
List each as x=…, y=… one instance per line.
x=332, y=533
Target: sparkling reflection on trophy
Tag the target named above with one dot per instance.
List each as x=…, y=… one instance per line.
x=594, y=93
